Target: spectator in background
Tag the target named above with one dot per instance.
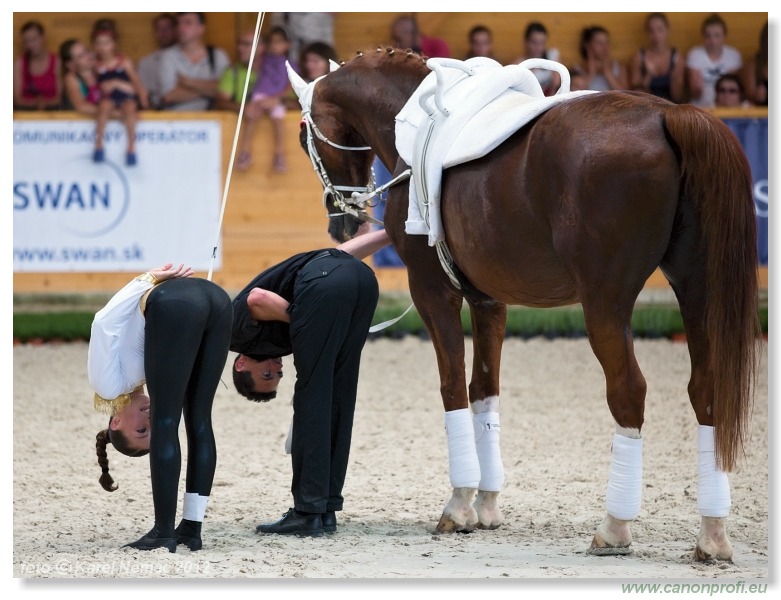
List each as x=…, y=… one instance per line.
x=268, y=96
x=535, y=45
x=105, y=24
x=706, y=63
x=315, y=60
x=37, y=72
x=658, y=68
x=303, y=28
x=755, y=73
x=599, y=71
x=230, y=90
x=80, y=80
x=165, y=32
x=120, y=89
x=729, y=92
x=481, y=42
x=405, y=34
x=190, y=70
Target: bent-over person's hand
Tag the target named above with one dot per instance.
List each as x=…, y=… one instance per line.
x=168, y=271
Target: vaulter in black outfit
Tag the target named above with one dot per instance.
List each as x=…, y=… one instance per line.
x=184, y=330
x=318, y=306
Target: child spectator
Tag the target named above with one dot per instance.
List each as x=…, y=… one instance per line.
x=268, y=98
x=82, y=92
x=37, y=73
x=120, y=90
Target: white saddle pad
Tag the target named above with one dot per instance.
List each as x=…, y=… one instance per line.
x=461, y=111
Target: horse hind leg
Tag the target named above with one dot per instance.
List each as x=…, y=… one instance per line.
x=488, y=325
x=611, y=340
x=713, y=492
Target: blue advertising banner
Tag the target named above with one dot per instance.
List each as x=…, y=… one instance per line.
x=752, y=134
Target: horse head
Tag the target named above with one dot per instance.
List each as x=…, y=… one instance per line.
x=339, y=154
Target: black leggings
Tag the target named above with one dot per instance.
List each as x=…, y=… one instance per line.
x=187, y=334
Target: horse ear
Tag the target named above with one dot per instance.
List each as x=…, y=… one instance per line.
x=298, y=83
x=334, y=65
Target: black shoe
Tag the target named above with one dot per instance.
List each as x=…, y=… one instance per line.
x=151, y=541
x=189, y=533
x=329, y=521
x=294, y=522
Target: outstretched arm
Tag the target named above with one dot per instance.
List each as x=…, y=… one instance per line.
x=366, y=244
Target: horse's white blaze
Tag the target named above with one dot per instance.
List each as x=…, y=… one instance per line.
x=625, y=485
x=713, y=494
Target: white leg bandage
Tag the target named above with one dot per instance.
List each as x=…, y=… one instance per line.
x=625, y=485
x=488, y=452
x=194, y=507
x=713, y=497
x=464, y=466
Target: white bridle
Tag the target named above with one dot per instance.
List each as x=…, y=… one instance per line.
x=359, y=196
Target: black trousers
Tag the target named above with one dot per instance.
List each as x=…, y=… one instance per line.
x=187, y=334
x=333, y=305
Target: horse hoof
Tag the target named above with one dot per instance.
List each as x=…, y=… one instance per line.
x=701, y=555
x=448, y=525
x=600, y=548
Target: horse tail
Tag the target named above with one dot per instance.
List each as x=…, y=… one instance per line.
x=716, y=178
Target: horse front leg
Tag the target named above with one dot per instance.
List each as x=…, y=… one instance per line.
x=439, y=305
x=488, y=326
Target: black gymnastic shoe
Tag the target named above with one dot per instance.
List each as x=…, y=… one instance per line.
x=329, y=521
x=189, y=533
x=294, y=522
x=152, y=540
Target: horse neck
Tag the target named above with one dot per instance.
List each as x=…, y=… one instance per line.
x=373, y=103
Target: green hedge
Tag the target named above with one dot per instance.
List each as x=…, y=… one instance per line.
x=647, y=322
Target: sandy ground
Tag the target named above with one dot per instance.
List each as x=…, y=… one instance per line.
x=556, y=432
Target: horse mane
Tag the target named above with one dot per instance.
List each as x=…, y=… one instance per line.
x=387, y=54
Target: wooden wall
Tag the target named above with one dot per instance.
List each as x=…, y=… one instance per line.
x=354, y=31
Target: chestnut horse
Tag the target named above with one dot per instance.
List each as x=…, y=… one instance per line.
x=582, y=204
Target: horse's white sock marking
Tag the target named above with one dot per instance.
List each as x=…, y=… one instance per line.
x=194, y=506
x=625, y=485
x=630, y=432
x=713, y=495
x=464, y=465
